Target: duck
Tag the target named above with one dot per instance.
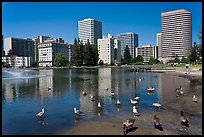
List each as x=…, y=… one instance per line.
x=92, y=97
x=78, y=112
x=99, y=105
x=150, y=89
x=137, y=98
x=128, y=123
x=195, y=99
x=135, y=111
x=157, y=123
x=40, y=114
x=184, y=120
x=118, y=102
x=156, y=105
x=84, y=93
x=113, y=93
x=134, y=101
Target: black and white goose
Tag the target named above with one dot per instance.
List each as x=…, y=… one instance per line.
x=118, y=102
x=40, y=114
x=134, y=101
x=78, y=112
x=92, y=97
x=137, y=98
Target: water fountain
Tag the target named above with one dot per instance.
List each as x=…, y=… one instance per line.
x=16, y=73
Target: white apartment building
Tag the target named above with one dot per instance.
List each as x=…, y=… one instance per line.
x=89, y=29
x=17, y=61
x=176, y=37
x=130, y=39
x=109, y=50
x=48, y=50
x=147, y=51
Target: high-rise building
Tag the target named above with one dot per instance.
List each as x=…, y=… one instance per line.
x=147, y=51
x=176, y=37
x=89, y=29
x=109, y=50
x=20, y=47
x=159, y=44
x=130, y=39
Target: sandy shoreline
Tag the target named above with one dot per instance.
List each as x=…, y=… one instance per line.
x=169, y=116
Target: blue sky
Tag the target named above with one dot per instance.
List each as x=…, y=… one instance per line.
x=59, y=19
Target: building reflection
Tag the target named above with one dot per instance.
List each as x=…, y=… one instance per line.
x=45, y=84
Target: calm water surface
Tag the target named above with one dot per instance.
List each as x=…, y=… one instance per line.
x=24, y=95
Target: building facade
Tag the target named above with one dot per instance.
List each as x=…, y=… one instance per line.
x=159, y=44
x=17, y=61
x=89, y=29
x=147, y=51
x=176, y=37
x=130, y=39
x=20, y=47
x=48, y=50
x=109, y=50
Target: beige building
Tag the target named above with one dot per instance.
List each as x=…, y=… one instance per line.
x=147, y=51
x=176, y=35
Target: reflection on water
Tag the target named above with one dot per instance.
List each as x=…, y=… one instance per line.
x=59, y=91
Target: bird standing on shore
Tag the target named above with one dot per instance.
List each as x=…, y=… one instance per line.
x=40, y=114
x=157, y=123
x=99, y=105
x=184, y=121
x=134, y=110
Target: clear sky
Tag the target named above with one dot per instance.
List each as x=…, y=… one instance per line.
x=60, y=19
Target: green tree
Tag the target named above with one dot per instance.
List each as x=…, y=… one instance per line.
x=184, y=60
x=60, y=60
x=127, y=56
x=176, y=60
x=194, y=53
x=88, y=58
x=139, y=58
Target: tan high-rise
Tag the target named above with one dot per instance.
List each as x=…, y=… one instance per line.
x=176, y=39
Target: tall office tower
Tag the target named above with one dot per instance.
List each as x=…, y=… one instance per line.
x=89, y=29
x=130, y=39
x=176, y=37
x=159, y=44
x=20, y=47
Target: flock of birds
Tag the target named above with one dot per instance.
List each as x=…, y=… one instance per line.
x=128, y=123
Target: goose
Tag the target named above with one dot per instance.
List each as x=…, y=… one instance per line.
x=40, y=114
x=128, y=123
x=113, y=93
x=184, y=120
x=78, y=112
x=156, y=105
x=118, y=102
x=134, y=110
x=134, y=101
x=137, y=98
x=195, y=99
x=140, y=79
x=150, y=89
x=99, y=105
x=157, y=123
x=84, y=93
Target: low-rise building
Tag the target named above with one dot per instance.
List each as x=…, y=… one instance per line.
x=147, y=51
x=48, y=50
x=16, y=61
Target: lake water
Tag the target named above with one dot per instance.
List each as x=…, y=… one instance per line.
x=26, y=93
